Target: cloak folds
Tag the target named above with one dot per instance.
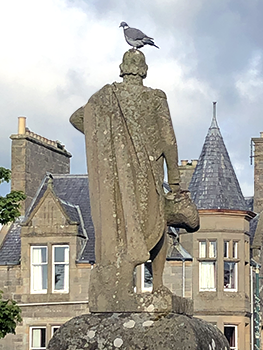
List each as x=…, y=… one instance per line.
x=128, y=134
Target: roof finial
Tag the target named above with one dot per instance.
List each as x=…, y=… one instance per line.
x=214, y=122
x=214, y=110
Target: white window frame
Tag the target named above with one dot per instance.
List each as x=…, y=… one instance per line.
x=53, y=328
x=207, y=255
x=212, y=248
x=235, y=249
x=236, y=279
x=143, y=288
x=31, y=347
x=202, y=288
x=66, y=264
x=40, y=291
x=236, y=339
x=227, y=249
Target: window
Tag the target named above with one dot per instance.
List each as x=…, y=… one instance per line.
x=60, y=279
x=54, y=329
x=39, y=269
x=37, y=338
x=235, y=250
x=230, y=265
x=230, y=275
x=207, y=265
x=146, y=276
x=230, y=333
x=226, y=249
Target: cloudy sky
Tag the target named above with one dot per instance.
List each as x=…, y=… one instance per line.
x=56, y=53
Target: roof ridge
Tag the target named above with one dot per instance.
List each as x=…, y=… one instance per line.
x=57, y=176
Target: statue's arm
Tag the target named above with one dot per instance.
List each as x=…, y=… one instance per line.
x=77, y=119
x=169, y=144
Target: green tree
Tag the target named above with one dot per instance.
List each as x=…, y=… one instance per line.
x=10, y=316
x=10, y=312
x=10, y=204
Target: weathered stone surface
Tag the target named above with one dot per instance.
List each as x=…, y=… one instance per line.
x=129, y=135
x=133, y=331
x=161, y=300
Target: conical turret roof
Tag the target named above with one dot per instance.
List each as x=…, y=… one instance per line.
x=214, y=184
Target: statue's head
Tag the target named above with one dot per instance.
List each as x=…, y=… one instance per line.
x=133, y=62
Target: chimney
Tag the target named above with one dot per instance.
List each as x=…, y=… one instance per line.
x=32, y=157
x=21, y=125
x=194, y=162
x=258, y=171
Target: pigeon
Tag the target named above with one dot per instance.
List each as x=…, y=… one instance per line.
x=135, y=37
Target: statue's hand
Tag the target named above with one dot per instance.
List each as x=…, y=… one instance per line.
x=175, y=188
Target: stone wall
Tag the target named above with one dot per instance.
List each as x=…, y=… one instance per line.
x=42, y=312
x=178, y=277
x=186, y=170
x=32, y=157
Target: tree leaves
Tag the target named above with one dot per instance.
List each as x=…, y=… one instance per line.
x=10, y=204
x=10, y=312
x=10, y=316
x=5, y=175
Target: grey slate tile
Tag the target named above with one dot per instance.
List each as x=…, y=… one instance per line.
x=214, y=184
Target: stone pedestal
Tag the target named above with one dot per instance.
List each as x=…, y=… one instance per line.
x=133, y=331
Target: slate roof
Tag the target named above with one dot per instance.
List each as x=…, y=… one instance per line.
x=10, y=251
x=73, y=193
x=214, y=184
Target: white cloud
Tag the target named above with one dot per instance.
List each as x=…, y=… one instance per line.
x=56, y=53
x=250, y=82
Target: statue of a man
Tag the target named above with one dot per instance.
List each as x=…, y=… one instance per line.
x=129, y=135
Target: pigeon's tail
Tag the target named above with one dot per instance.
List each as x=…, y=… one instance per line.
x=149, y=42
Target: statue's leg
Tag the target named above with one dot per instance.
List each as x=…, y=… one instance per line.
x=158, y=258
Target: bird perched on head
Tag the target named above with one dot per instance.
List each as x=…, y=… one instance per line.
x=135, y=37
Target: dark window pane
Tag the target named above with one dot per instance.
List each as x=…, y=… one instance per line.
x=59, y=276
x=44, y=276
x=60, y=254
x=229, y=275
x=148, y=275
x=43, y=337
x=230, y=335
x=43, y=255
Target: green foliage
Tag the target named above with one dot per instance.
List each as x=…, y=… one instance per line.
x=10, y=204
x=10, y=316
x=5, y=175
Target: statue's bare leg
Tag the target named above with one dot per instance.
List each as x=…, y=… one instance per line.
x=158, y=258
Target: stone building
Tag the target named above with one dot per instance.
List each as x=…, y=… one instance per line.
x=46, y=257
x=32, y=156
x=221, y=288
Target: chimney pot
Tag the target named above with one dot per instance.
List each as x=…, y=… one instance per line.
x=21, y=125
x=194, y=162
x=184, y=162
x=261, y=134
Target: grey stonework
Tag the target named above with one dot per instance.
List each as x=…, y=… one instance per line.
x=134, y=331
x=32, y=157
x=258, y=173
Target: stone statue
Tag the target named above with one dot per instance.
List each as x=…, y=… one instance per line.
x=129, y=134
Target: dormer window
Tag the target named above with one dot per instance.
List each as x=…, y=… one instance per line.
x=42, y=271
x=60, y=273
x=39, y=269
